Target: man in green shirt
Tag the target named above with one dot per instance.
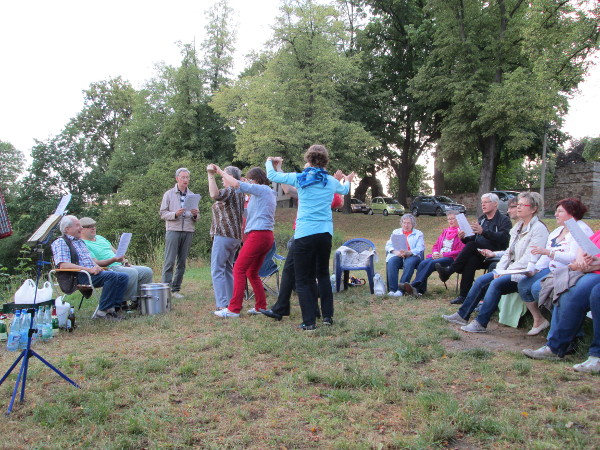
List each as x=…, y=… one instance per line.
x=104, y=255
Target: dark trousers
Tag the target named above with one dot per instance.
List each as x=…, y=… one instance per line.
x=311, y=263
x=468, y=261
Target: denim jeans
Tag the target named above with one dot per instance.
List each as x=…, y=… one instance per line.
x=221, y=268
x=113, y=286
x=569, y=314
x=395, y=264
x=526, y=286
x=489, y=289
x=426, y=268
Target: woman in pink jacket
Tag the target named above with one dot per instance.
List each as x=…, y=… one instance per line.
x=447, y=247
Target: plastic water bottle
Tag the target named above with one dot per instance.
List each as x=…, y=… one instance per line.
x=332, y=283
x=47, y=329
x=14, y=335
x=39, y=323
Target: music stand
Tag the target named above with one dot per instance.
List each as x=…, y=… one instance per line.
x=39, y=239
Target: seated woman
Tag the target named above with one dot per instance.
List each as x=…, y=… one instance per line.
x=561, y=249
x=570, y=312
x=443, y=252
x=529, y=231
x=407, y=259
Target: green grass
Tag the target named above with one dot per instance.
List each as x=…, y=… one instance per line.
x=389, y=374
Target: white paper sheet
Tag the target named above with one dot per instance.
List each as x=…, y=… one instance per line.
x=123, y=245
x=464, y=225
x=580, y=237
x=510, y=271
x=62, y=206
x=191, y=202
x=399, y=242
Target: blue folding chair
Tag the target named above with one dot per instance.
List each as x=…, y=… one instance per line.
x=359, y=245
x=270, y=267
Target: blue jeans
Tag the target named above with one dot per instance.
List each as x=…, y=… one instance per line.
x=426, y=268
x=221, y=268
x=526, y=286
x=489, y=289
x=395, y=264
x=569, y=314
x=113, y=286
x=595, y=308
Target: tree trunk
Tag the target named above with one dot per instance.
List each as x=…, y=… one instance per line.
x=487, y=174
x=439, y=183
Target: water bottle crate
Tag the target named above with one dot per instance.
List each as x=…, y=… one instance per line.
x=9, y=308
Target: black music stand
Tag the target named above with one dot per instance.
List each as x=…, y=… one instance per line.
x=39, y=238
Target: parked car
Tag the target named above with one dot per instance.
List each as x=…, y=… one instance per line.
x=385, y=206
x=436, y=205
x=358, y=206
x=504, y=197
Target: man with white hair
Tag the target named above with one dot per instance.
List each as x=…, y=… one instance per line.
x=70, y=252
x=492, y=232
x=180, y=230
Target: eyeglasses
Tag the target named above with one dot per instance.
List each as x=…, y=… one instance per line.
x=89, y=226
x=523, y=205
x=512, y=206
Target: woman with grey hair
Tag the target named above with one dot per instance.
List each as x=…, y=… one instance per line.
x=404, y=250
x=528, y=233
x=226, y=232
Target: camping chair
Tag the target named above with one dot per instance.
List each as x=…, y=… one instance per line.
x=359, y=245
x=270, y=268
x=489, y=265
x=86, y=290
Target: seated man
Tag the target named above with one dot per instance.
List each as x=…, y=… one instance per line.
x=69, y=247
x=104, y=255
x=491, y=232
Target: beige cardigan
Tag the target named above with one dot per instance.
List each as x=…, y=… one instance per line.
x=171, y=202
x=518, y=255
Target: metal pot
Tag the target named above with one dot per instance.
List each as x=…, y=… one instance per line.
x=155, y=298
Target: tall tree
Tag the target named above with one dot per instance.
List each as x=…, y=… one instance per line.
x=11, y=167
x=219, y=45
x=499, y=72
x=292, y=99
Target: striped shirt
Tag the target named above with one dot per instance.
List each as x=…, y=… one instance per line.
x=62, y=254
x=227, y=214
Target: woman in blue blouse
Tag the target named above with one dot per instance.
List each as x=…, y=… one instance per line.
x=314, y=230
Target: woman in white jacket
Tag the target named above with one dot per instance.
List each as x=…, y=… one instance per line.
x=528, y=232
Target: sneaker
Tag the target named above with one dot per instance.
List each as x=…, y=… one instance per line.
x=303, y=327
x=253, y=312
x=398, y=294
x=327, y=320
x=541, y=353
x=391, y=293
x=176, y=295
x=474, y=327
x=226, y=314
x=455, y=318
x=592, y=365
x=458, y=300
x=100, y=314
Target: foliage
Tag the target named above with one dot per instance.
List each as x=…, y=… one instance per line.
x=11, y=167
x=591, y=150
x=291, y=100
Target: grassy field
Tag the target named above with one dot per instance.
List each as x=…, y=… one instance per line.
x=389, y=374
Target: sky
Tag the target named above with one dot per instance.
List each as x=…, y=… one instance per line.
x=51, y=51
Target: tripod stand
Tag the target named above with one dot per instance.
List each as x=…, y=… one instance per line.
x=27, y=352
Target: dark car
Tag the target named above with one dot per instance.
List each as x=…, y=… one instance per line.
x=436, y=205
x=358, y=206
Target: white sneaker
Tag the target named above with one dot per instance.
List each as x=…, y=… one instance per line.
x=252, y=312
x=474, y=327
x=226, y=314
x=592, y=365
x=391, y=294
x=455, y=318
x=398, y=294
x=176, y=295
x=541, y=353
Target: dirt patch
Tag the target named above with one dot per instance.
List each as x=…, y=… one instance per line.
x=498, y=337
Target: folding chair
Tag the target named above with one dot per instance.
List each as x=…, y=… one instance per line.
x=86, y=290
x=270, y=267
x=489, y=265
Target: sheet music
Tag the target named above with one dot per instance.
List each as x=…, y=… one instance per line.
x=580, y=237
x=62, y=206
x=191, y=201
x=43, y=231
x=123, y=245
x=464, y=225
x=511, y=271
x=399, y=242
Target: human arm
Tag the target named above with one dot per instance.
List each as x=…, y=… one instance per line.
x=286, y=188
x=165, y=208
x=213, y=189
x=499, y=233
x=279, y=177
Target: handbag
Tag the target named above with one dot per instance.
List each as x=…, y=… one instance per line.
x=67, y=281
